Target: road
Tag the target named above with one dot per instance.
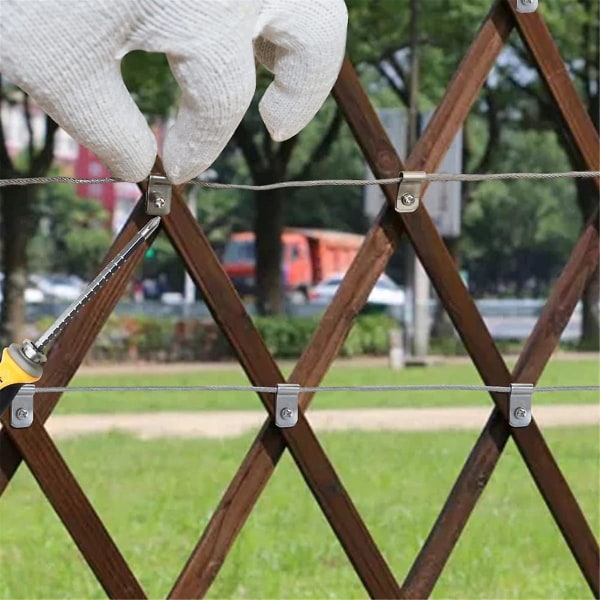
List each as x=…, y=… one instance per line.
x=226, y=424
x=519, y=328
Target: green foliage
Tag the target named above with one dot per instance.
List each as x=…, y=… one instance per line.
x=165, y=262
x=327, y=207
x=156, y=497
x=148, y=338
x=379, y=30
x=73, y=235
x=518, y=234
x=84, y=249
x=579, y=370
x=152, y=337
x=287, y=337
x=150, y=82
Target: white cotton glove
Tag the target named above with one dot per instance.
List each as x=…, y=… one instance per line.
x=66, y=54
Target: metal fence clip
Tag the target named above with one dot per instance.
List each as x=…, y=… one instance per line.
x=286, y=404
x=519, y=409
x=527, y=6
x=21, y=408
x=158, y=196
x=409, y=191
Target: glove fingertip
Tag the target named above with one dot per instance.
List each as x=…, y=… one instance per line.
x=179, y=168
x=281, y=124
x=133, y=173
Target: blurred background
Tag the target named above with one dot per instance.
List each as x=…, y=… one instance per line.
x=287, y=250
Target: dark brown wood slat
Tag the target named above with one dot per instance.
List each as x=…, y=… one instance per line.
x=532, y=444
x=74, y=509
x=490, y=365
x=538, y=39
x=267, y=448
x=229, y=312
x=541, y=343
x=485, y=454
x=76, y=339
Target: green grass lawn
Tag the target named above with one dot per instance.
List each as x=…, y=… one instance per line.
x=156, y=497
x=584, y=372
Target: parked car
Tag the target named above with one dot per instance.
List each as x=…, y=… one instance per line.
x=386, y=291
x=58, y=286
x=33, y=295
x=309, y=256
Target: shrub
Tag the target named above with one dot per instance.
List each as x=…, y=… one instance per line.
x=286, y=337
x=152, y=339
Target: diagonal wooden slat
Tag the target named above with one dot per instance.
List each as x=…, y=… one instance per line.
x=487, y=359
x=583, y=262
x=260, y=462
x=483, y=458
x=229, y=312
x=76, y=339
x=74, y=509
x=38, y=450
x=551, y=67
x=489, y=363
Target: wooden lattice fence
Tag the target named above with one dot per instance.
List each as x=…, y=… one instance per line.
x=37, y=449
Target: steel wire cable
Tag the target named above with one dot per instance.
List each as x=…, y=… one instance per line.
x=301, y=390
x=429, y=177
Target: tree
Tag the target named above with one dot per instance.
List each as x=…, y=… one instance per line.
x=72, y=237
x=576, y=28
x=518, y=235
x=18, y=210
x=439, y=37
x=514, y=97
x=270, y=162
x=20, y=206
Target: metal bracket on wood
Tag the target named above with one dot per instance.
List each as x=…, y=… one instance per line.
x=409, y=191
x=286, y=404
x=527, y=6
x=519, y=409
x=158, y=196
x=21, y=408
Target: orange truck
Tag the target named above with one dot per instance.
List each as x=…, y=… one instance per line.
x=309, y=256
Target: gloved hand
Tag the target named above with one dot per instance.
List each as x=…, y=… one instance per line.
x=66, y=54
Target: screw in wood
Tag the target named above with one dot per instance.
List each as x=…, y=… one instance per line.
x=22, y=414
x=520, y=412
x=407, y=199
x=286, y=413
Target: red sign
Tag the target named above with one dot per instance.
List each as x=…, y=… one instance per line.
x=88, y=166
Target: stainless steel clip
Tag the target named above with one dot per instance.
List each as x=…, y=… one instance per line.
x=519, y=406
x=409, y=191
x=286, y=404
x=527, y=6
x=158, y=196
x=21, y=408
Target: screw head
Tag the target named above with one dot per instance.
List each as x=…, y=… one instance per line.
x=22, y=414
x=520, y=412
x=286, y=413
x=159, y=201
x=527, y=6
x=408, y=199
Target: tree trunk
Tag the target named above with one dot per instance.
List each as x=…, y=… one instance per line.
x=18, y=225
x=587, y=199
x=268, y=227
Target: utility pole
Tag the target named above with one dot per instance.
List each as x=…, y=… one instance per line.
x=413, y=107
x=418, y=285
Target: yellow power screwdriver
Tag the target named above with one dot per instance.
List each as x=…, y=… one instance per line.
x=22, y=363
